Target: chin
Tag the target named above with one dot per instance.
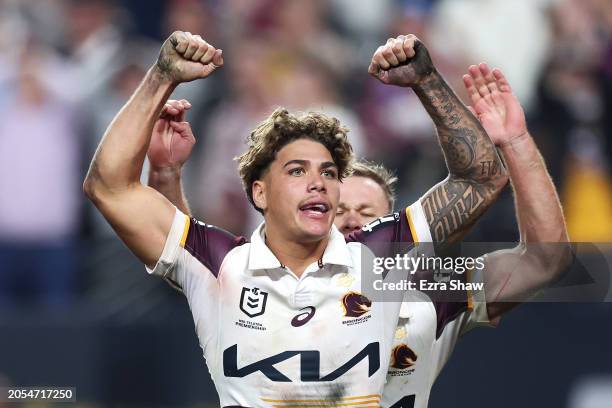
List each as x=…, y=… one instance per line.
x=316, y=232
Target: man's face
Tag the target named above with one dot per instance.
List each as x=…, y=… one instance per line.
x=299, y=192
x=362, y=200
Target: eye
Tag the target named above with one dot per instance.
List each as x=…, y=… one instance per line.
x=367, y=214
x=297, y=171
x=339, y=212
x=330, y=173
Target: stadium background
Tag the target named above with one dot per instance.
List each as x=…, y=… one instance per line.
x=83, y=313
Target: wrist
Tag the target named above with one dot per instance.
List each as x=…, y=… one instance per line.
x=428, y=79
x=515, y=141
x=168, y=171
x=160, y=77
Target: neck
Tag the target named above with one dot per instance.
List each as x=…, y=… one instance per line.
x=295, y=255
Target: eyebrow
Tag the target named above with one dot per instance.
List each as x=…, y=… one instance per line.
x=324, y=165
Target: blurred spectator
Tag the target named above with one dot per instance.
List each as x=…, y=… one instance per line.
x=94, y=42
x=196, y=17
x=513, y=35
x=304, y=26
x=40, y=183
x=572, y=121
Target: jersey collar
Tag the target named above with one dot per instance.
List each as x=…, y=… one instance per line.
x=260, y=256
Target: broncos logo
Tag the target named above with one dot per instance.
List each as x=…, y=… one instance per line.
x=355, y=304
x=402, y=357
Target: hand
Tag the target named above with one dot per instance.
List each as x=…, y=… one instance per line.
x=402, y=61
x=172, y=139
x=186, y=57
x=493, y=102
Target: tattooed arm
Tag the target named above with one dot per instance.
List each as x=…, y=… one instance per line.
x=476, y=172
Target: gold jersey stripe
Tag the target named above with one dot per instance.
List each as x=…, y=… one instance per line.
x=334, y=404
x=470, y=295
x=185, y=232
x=363, y=397
x=413, y=231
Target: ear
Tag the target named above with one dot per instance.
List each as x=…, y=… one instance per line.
x=259, y=194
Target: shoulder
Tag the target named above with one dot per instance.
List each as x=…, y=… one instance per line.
x=209, y=244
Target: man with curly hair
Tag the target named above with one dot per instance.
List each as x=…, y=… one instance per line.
x=280, y=317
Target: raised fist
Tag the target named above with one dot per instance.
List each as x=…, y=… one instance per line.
x=172, y=139
x=402, y=61
x=186, y=57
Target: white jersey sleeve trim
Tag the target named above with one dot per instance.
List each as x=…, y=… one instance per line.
x=479, y=315
x=174, y=242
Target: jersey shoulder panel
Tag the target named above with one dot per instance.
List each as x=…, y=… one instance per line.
x=209, y=244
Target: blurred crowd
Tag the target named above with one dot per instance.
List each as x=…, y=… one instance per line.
x=67, y=66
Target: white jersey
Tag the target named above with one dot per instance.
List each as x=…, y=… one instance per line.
x=271, y=339
x=425, y=337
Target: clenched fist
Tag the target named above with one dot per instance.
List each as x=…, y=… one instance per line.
x=402, y=61
x=186, y=57
x=172, y=139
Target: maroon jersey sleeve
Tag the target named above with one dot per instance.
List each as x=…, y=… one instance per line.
x=210, y=244
x=382, y=233
x=192, y=245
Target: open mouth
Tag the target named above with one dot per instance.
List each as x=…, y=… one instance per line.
x=318, y=208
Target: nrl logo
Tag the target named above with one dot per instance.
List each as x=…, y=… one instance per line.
x=253, y=302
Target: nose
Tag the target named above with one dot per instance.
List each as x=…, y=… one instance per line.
x=352, y=222
x=316, y=183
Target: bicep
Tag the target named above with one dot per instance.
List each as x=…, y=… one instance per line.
x=511, y=276
x=141, y=217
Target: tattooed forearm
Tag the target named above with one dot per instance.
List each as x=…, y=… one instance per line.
x=490, y=168
x=477, y=173
x=464, y=142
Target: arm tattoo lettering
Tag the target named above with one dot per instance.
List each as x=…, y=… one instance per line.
x=451, y=208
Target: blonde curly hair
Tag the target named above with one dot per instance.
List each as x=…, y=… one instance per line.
x=282, y=128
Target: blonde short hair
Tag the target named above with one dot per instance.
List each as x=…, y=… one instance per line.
x=380, y=174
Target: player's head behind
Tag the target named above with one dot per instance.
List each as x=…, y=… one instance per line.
x=292, y=170
x=367, y=194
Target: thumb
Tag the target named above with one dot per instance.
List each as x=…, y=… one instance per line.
x=180, y=127
x=217, y=58
x=183, y=129
x=159, y=126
